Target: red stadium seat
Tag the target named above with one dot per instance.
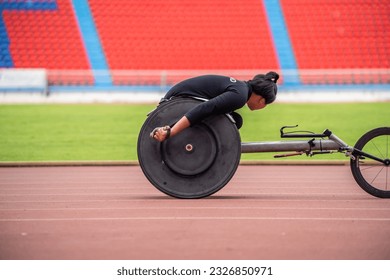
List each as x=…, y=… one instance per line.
x=203, y=35
x=184, y=34
x=46, y=39
x=336, y=35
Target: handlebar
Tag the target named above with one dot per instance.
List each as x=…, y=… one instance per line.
x=297, y=134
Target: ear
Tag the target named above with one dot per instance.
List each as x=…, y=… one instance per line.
x=259, y=98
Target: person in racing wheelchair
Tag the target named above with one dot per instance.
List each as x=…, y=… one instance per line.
x=222, y=94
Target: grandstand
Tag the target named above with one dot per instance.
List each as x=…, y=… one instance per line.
x=112, y=44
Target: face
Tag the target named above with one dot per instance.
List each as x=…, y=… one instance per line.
x=256, y=102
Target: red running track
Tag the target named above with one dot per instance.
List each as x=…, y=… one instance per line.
x=265, y=212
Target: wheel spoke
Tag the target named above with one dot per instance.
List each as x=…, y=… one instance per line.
x=368, y=167
x=377, y=175
x=376, y=147
x=370, y=175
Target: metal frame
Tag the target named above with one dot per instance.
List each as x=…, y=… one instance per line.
x=298, y=147
x=310, y=148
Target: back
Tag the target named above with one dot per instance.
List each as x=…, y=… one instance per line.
x=208, y=86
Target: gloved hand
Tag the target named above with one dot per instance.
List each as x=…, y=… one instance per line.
x=161, y=133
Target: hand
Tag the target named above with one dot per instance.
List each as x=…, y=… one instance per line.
x=161, y=133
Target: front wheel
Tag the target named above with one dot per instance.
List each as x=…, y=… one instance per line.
x=371, y=175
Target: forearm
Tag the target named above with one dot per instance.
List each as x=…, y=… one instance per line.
x=182, y=124
x=164, y=132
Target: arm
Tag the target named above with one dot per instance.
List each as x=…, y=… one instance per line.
x=182, y=124
x=224, y=103
x=160, y=134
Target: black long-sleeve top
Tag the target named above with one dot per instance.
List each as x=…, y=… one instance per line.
x=224, y=94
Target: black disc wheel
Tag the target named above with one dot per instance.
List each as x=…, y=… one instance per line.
x=372, y=175
x=195, y=163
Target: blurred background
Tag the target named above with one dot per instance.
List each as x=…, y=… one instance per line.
x=142, y=47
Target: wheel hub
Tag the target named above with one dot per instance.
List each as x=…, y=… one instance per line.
x=187, y=155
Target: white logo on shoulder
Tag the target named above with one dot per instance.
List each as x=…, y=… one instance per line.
x=233, y=80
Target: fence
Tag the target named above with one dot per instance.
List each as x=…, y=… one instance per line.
x=165, y=78
x=41, y=80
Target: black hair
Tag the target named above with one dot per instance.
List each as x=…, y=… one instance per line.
x=265, y=86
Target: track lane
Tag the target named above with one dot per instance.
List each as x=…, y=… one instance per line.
x=265, y=212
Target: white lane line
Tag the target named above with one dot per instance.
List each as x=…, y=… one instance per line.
x=335, y=194
x=165, y=199
x=197, y=218
x=198, y=208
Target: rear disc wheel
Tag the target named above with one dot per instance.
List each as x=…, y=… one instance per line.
x=198, y=161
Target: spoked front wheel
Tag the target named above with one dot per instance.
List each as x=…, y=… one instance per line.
x=370, y=168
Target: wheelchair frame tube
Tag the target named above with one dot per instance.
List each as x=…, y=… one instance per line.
x=292, y=146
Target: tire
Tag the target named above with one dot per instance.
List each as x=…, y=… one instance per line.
x=373, y=176
x=197, y=162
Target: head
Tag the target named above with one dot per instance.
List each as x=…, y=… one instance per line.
x=264, y=90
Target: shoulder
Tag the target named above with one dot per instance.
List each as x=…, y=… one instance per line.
x=238, y=86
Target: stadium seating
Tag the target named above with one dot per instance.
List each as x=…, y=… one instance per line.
x=43, y=38
x=341, y=34
x=197, y=35
x=184, y=34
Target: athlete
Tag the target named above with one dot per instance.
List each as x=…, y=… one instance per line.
x=222, y=94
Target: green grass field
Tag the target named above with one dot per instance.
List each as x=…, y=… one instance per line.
x=110, y=131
